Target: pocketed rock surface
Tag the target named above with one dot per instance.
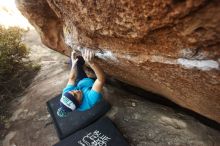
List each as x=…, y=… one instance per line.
x=168, y=47
x=140, y=121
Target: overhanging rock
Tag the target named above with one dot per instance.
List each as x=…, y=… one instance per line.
x=167, y=47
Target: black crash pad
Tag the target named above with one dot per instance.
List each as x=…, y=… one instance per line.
x=75, y=120
x=101, y=133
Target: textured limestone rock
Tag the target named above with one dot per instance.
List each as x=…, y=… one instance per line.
x=45, y=21
x=169, y=47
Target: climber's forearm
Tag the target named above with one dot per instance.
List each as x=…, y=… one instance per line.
x=98, y=71
x=89, y=55
x=72, y=76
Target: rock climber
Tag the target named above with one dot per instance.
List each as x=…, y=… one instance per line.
x=81, y=92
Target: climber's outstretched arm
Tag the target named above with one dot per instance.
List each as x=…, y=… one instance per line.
x=88, y=56
x=100, y=81
x=72, y=75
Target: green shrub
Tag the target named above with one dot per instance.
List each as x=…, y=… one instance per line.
x=12, y=51
x=16, y=70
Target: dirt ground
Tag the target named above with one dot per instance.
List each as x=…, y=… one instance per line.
x=143, y=123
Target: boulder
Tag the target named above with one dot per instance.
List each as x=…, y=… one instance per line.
x=168, y=47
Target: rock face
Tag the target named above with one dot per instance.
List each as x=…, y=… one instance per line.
x=168, y=47
x=142, y=123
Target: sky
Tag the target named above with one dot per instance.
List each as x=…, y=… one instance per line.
x=11, y=16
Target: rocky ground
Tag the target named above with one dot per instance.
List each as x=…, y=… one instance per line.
x=142, y=122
